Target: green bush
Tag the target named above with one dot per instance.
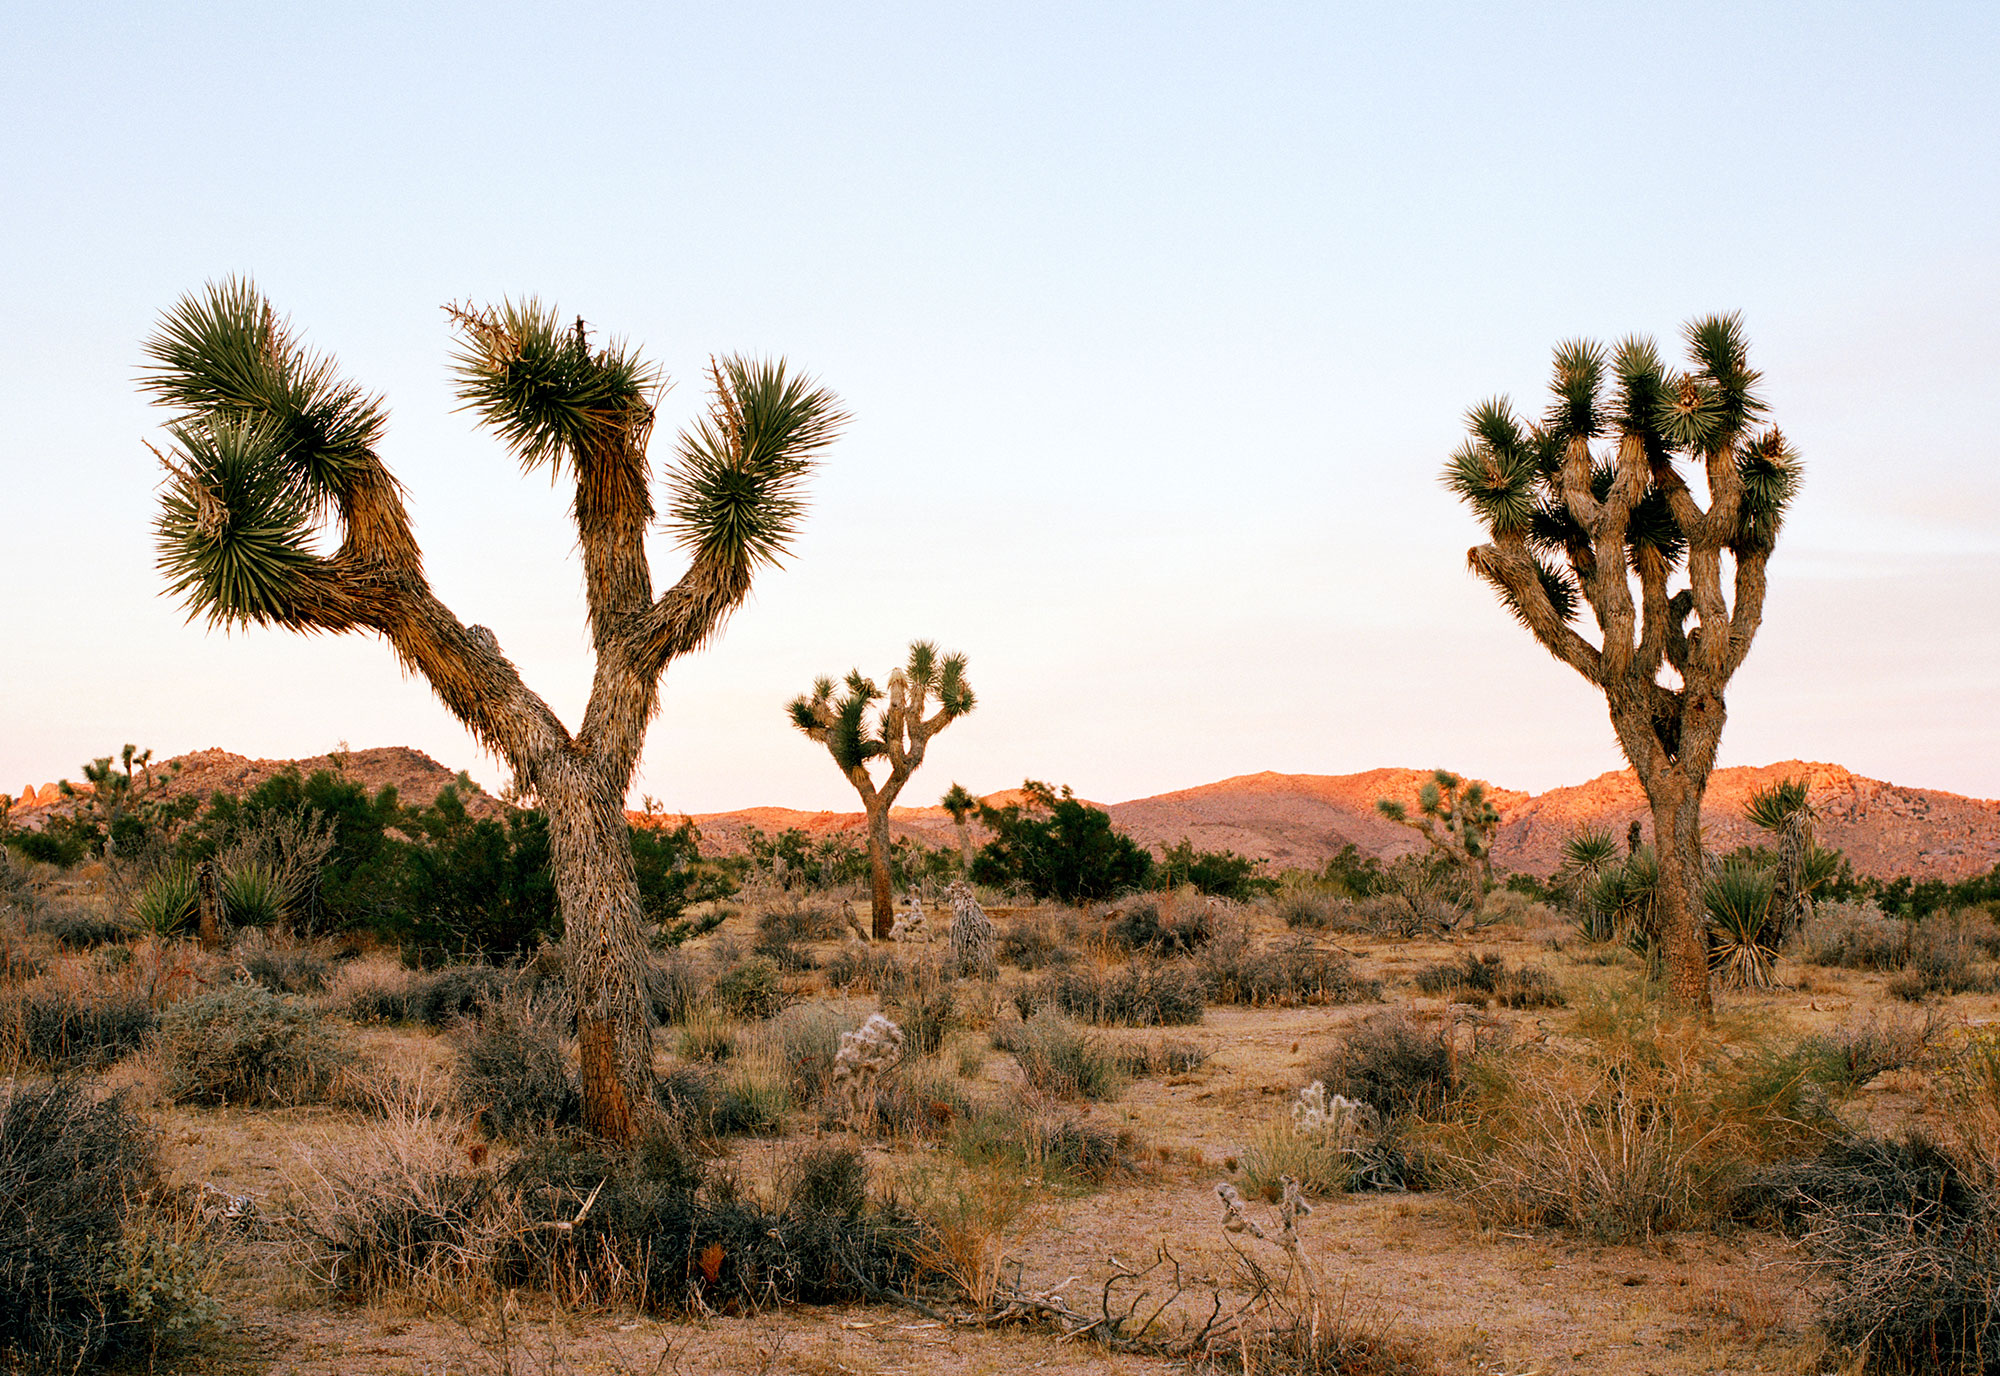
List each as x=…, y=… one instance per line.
x=751, y=989
x=1141, y=925
x=1056, y=847
x=79, y=1282
x=243, y=1044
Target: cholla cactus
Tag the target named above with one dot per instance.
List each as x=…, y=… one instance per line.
x=1333, y=1115
x=912, y=925
x=865, y=1056
x=971, y=934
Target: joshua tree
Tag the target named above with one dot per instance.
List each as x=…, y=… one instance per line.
x=1570, y=526
x=270, y=445
x=961, y=805
x=1454, y=817
x=900, y=733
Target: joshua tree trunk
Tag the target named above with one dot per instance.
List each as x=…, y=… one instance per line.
x=1628, y=516
x=882, y=903
x=269, y=442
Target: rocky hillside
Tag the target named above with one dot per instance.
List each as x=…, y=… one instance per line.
x=1291, y=820
x=416, y=776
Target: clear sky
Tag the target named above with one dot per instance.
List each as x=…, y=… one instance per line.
x=1157, y=322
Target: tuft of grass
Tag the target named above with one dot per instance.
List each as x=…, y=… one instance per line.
x=1279, y=1149
x=1140, y=1060
x=706, y=1033
x=1235, y=969
x=1482, y=979
x=1058, y=1057
x=1142, y=994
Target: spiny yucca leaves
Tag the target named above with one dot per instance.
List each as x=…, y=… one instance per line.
x=540, y=386
x=1738, y=899
x=739, y=470
x=1770, y=477
x=1773, y=808
x=1558, y=586
x=1498, y=484
x=954, y=692
x=1641, y=386
x=224, y=355
x=1652, y=529
x=232, y=531
x=959, y=802
x=1721, y=351
x=1579, y=373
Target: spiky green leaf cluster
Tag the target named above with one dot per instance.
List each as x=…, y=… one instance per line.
x=1511, y=474
x=232, y=531
x=1773, y=808
x=850, y=737
x=222, y=355
x=943, y=678
x=538, y=384
x=738, y=475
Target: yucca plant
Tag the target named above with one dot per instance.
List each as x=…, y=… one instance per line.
x=1742, y=927
x=856, y=733
x=1803, y=867
x=1571, y=527
x=1587, y=854
x=255, y=894
x=167, y=901
x=277, y=511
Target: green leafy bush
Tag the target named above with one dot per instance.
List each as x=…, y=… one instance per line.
x=1056, y=847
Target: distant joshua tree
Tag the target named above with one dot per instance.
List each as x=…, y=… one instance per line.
x=270, y=445
x=1454, y=817
x=963, y=807
x=899, y=734
x=1570, y=526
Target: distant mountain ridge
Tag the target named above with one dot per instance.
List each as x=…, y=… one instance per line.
x=1290, y=820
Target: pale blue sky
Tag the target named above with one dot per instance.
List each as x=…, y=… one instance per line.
x=1157, y=322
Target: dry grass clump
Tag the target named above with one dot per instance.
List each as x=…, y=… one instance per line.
x=1311, y=910
x=63, y=1024
x=1042, y=939
x=1058, y=1057
x=860, y=969
x=1169, y=1057
x=243, y=1044
x=283, y=967
x=1049, y=1139
x=1648, y=1130
x=706, y=1033
x=592, y=1225
x=86, y=1269
x=1849, y=1056
x=915, y=1102
x=1236, y=969
x=1480, y=979
x=926, y=1009
x=1141, y=994
x=78, y=922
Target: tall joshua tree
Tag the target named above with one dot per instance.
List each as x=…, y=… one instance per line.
x=900, y=733
x=963, y=807
x=1573, y=525
x=270, y=446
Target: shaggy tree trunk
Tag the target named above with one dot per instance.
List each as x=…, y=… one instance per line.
x=604, y=950
x=882, y=898
x=1677, y=897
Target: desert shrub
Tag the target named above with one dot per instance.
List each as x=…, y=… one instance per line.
x=255, y=894
x=1038, y=941
x=751, y=989
x=283, y=969
x=1483, y=978
x=57, y=1028
x=1943, y=967
x=1058, y=1057
x=1314, y=911
x=1051, y=1139
x=917, y=1101
x=1848, y=1057
x=1140, y=1059
x=81, y=1276
x=674, y=986
x=377, y=1001
x=706, y=1033
x=1907, y=1244
x=1856, y=936
x=1394, y=1064
x=243, y=1044
x=1236, y=970
x=750, y=1101
x=1057, y=847
x=787, y=955
x=515, y=1083
x=861, y=969
x=1142, y=994
x=797, y=918
x=805, y=1039
x=78, y=926
x=456, y=993
x=926, y=1011
x=1159, y=926
x=826, y=1180
x=1652, y=1128
x=1279, y=1149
